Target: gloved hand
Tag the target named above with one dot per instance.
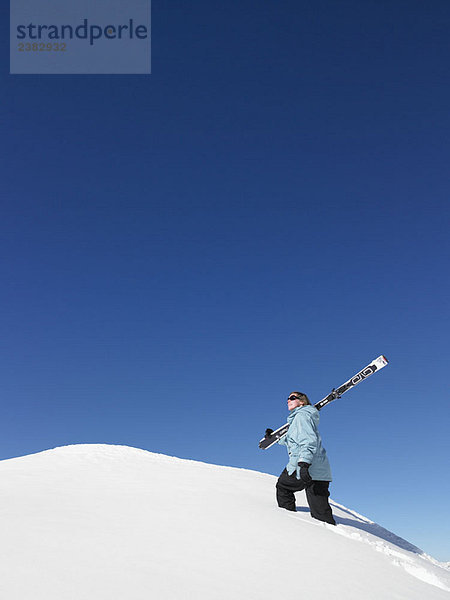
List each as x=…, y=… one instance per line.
x=268, y=432
x=303, y=473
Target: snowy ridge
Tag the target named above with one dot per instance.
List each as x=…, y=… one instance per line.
x=100, y=522
x=418, y=566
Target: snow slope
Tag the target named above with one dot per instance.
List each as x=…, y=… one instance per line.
x=99, y=522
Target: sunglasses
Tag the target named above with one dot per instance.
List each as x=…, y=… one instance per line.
x=294, y=398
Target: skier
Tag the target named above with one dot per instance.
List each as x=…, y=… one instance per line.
x=308, y=467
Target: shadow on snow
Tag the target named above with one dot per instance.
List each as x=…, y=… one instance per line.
x=371, y=528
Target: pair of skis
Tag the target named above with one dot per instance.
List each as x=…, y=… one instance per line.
x=371, y=368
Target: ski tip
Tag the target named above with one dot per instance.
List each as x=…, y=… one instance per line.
x=383, y=360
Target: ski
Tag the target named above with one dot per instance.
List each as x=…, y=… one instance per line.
x=335, y=393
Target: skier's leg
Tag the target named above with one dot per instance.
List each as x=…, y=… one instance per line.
x=317, y=495
x=286, y=486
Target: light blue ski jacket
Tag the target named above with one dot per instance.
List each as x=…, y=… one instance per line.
x=304, y=444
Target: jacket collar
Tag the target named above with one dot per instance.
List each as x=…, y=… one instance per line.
x=292, y=414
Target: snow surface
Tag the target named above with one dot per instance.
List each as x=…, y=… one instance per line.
x=100, y=522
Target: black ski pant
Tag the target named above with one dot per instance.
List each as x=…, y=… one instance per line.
x=317, y=495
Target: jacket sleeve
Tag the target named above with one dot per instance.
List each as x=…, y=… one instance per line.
x=302, y=441
x=294, y=434
x=307, y=441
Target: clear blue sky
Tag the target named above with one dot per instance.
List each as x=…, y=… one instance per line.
x=267, y=211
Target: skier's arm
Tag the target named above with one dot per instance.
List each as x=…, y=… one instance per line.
x=294, y=446
x=307, y=442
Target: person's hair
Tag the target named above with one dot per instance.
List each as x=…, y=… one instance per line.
x=301, y=396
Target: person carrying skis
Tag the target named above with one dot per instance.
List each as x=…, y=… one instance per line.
x=308, y=467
